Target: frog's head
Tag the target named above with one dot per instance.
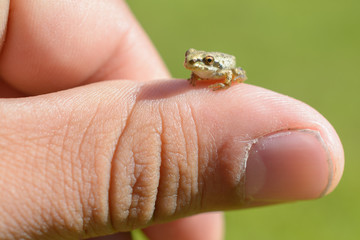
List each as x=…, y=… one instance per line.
x=208, y=64
x=200, y=60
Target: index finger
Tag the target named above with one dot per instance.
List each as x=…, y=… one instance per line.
x=55, y=45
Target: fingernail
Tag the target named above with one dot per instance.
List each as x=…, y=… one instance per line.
x=288, y=166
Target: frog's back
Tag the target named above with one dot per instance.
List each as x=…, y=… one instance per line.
x=223, y=60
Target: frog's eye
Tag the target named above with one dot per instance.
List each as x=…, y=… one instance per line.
x=209, y=60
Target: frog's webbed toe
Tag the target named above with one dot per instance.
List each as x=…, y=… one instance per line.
x=219, y=86
x=192, y=81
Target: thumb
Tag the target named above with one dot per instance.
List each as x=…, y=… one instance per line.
x=114, y=156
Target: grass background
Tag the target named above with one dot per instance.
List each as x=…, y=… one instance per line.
x=307, y=49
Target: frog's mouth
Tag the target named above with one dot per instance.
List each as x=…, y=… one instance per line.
x=198, y=68
x=193, y=66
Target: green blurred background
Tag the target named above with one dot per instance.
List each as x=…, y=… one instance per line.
x=307, y=49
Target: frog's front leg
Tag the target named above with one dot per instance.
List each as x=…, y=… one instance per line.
x=193, y=79
x=227, y=83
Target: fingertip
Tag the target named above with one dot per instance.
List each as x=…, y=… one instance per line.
x=336, y=155
x=243, y=115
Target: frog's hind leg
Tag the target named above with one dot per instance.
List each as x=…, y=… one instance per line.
x=239, y=74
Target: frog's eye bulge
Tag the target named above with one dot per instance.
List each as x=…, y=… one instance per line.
x=209, y=60
x=187, y=52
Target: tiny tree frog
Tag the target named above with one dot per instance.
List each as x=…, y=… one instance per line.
x=213, y=66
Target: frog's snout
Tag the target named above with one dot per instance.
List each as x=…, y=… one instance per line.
x=187, y=63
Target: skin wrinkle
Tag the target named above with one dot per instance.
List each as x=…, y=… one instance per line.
x=88, y=128
x=247, y=151
x=12, y=222
x=166, y=150
x=146, y=166
x=158, y=212
x=132, y=187
x=189, y=192
x=86, y=198
x=208, y=168
x=132, y=99
x=116, y=149
x=185, y=114
x=64, y=152
x=233, y=168
x=135, y=207
x=198, y=176
x=178, y=202
x=82, y=144
x=81, y=172
x=177, y=147
x=132, y=195
x=203, y=166
x=69, y=189
x=240, y=177
x=31, y=179
x=44, y=212
x=177, y=163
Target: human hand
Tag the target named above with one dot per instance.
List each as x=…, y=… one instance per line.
x=137, y=152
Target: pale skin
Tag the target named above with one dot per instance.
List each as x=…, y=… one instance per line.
x=80, y=160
